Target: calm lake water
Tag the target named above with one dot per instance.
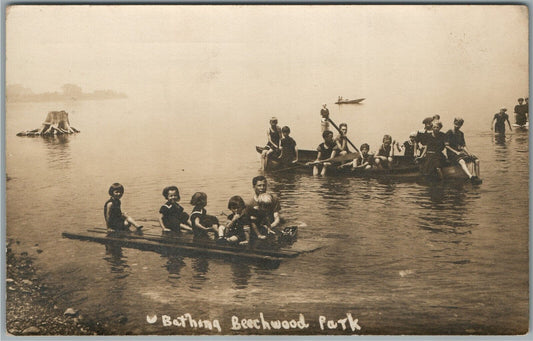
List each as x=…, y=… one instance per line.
x=401, y=257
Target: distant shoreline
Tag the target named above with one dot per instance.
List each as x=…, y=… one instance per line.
x=70, y=92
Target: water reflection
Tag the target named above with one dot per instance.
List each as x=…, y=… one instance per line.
x=58, y=150
x=241, y=274
x=200, y=266
x=117, y=261
x=175, y=263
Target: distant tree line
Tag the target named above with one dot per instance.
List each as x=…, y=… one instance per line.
x=19, y=93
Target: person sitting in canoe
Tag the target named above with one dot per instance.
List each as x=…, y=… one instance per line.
x=273, y=137
x=261, y=219
x=423, y=135
x=500, y=118
x=172, y=216
x=260, y=186
x=433, y=151
x=324, y=120
x=409, y=148
x=326, y=151
x=289, y=151
x=458, y=153
x=202, y=223
x=342, y=140
x=115, y=219
x=385, y=154
x=237, y=230
x=363, y=161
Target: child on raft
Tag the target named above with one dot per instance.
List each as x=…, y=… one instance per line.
x=409, y=148
x=172, y=216
x=114, y=217
x=273, y=138
x=237, y=230
x=363, y=161
x=326, y=150
x=202, y=223
x=261, y=219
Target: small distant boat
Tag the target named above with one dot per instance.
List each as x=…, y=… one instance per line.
x=349, y=101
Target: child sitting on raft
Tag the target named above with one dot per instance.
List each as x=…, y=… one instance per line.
x=202, y=223
x=326, y=150
x=263, y=218
x=289, y=151
x=363, y=161
x=114, y=217
x=409, y=148
x=237, y=230
x=171, y=215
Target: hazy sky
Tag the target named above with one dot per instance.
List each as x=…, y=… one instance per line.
x=452, y=58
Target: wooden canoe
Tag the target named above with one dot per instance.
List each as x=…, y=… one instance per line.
x=184, y=244
x=401, y=170
x=350, y=101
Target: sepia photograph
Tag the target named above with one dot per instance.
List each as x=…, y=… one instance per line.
x=266, y=170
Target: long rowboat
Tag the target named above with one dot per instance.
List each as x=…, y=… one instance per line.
x=182, y=243
x=401, y=170
x=349, y=101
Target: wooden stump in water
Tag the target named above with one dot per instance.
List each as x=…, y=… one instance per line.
x=56, y=123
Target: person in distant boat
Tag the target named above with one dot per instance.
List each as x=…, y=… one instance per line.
x=289, y=151
x=324, y=121
x=260, y=186
x=433, y=151
x=274, y=137
x=363, y=161
x=326, y=151
x=423, y=135
x=237, y=230
x=409, y=148
x=172, y=216
x=458, y=153
x=342, y=140
x=500, y=118
x=261, y=219
x=521, y=111
x=385, y=154
x=114, y=217
x=202, y=223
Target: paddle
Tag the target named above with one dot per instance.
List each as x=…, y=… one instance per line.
x=347, y=139
x=336, y=159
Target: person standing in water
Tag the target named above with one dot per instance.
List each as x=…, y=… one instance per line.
x=500, y=118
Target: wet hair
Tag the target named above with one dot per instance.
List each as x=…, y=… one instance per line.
x=264, y=200
x=199, y=199
x=387, y=138
x=171, y=188
x=258, y=178
x=114, y=187
x=427, y=120
x=236, y=202
x=459, y=121
x=364, y=145
x=438, y=124
x=286, y=129
x=343, y=125
x=326, y=133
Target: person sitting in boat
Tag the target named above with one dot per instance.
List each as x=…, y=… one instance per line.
x=500, y=118
x=409, y=148
x=237, y=230
x=324, y=121
x=423, y=135
x=433, y=151
x=262, y=218
x=326, y=151
x=342, y=140
x=363, y=161
x=202, y=223
x=289, y=151
x=172, y=216
x=273, y=137
x=260, y=186
x=520, y=111
x=385, y=154
x=458, y=153
x=115, y=219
